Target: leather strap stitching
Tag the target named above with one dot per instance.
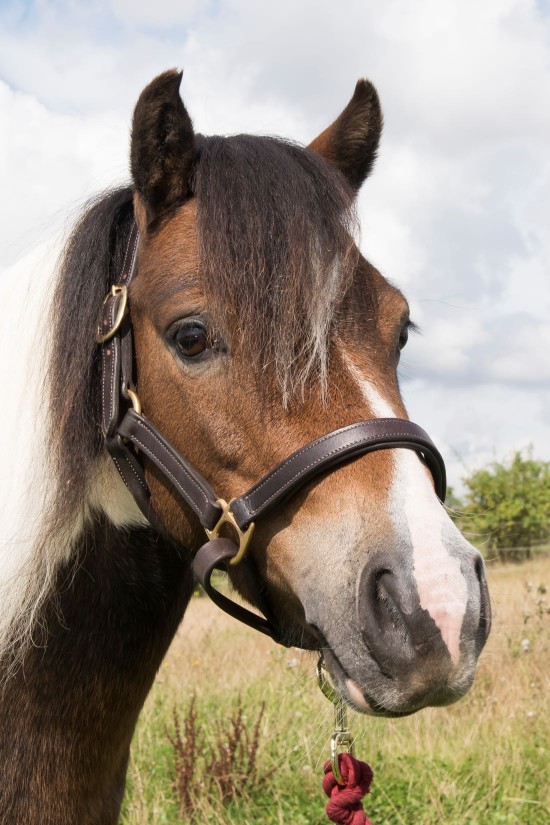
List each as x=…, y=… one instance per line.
x=113, y=363
x=128, y=267
x=321, y=458
x=109, y=366
x=178, y=461
x=133, y=471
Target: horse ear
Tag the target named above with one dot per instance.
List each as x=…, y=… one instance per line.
x=351, y=142
x=162, y=146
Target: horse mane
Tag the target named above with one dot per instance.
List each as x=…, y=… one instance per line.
x=277, y=248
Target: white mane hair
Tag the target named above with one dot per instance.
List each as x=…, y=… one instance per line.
x=30, y=553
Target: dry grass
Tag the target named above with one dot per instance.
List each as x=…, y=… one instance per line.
x=487, y=753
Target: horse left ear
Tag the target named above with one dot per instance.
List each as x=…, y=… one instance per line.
x=351, y=142
x=162, y=147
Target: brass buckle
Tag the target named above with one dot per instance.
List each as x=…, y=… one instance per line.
x=116, y=290
x=227, y=517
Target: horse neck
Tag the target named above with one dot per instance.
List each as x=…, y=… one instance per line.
x=68, y=713
x=100, y=598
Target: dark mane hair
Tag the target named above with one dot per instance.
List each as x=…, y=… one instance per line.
x=276, y=232
x=276, y=236
x=92, y=256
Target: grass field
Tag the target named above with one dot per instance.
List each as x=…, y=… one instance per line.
x=483, y=761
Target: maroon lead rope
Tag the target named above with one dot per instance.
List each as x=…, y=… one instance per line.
x=345, y=804
x=346, y=779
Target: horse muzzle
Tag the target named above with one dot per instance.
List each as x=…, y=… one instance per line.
x=398, y=656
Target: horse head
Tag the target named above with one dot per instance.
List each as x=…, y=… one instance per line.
x=258, y=327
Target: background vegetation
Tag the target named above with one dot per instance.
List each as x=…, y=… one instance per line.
x=506, y=507
x=483, y=761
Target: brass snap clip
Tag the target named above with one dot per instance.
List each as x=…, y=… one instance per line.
x=341, y=740
x=227, y=517
x=120, y=293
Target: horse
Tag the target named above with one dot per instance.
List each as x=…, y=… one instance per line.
x=257, y=328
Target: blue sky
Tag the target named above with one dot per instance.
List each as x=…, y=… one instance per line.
x=456, y=212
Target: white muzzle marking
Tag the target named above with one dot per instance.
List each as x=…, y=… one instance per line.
x=416, y=513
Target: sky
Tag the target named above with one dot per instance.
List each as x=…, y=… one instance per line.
x=456, y=213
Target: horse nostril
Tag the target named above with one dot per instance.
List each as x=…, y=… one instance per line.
x=383, y=623
x=400, y=636
x=386, y=603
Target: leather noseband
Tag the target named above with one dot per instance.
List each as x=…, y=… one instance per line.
x=129, y=435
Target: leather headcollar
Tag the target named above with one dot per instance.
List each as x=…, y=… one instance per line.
x=129, y=436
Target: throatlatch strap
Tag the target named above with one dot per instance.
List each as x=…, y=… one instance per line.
x=110, y=369
x=114, y=332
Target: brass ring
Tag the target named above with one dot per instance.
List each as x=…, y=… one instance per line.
x=134, y=398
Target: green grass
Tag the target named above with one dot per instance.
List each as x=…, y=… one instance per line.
x=483, y=761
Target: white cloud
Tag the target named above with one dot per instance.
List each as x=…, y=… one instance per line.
x=523, y=357
x=161, y=13
x=463, y=347
x=49, y=164
x=449, y=344
x=456, y=213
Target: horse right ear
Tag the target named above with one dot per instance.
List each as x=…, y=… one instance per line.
x=162, y=147
x=351, y=142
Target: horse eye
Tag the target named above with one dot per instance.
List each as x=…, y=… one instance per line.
x=403, y=337
x=192, y=339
